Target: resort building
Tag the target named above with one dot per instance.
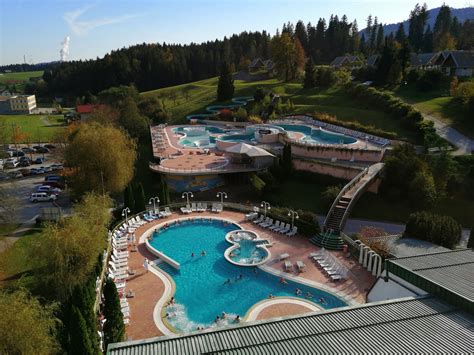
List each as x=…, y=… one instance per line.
x=84, y=111
x=17, y=104
x=346, y=61
x=436, y=317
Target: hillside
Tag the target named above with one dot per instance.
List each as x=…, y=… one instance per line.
x=333, y=101
x=462, y=14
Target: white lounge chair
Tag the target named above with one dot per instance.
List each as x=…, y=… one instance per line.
x=286, y=229
x=259, y=220
x=199, y=207
x=219, y=208
x=284, y=256
x=300, y=265
x=193, y=207
x=204, y=207
x=268, y=223
x=275, y=226
x=186, y=210
x=293, y=232
x=267, y=220
x=288, y=265
x=251, y=216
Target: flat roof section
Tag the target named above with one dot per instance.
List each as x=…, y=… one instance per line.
x=410, y=325
x=451, y=270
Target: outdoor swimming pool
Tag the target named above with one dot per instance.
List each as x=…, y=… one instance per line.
x=206, y=136
x=316, y=135
x=202, y=287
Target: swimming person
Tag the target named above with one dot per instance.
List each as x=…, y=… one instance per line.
x=322, y=300
x=192, y=255
x=270, y=296
x=283, y=281
x=203, y=253
x=298, y=292
x=224, y=315
x=309, y=295
x=237, y=319
x=227, y=282
x=217, y=319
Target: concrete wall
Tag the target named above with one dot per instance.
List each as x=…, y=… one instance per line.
x=338, y=171
x=327, y=152
x=394, y=288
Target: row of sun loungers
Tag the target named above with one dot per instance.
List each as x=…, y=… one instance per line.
x=299, y=266
x=329, y=264
x=118, y=269
x=158, y=138
x=201, y=207
x=275, y=226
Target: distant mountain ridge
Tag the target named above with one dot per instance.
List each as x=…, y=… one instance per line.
x=463, y=14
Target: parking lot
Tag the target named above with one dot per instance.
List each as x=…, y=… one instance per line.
x=20, y=182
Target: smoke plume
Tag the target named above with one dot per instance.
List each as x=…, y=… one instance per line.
x=64, y=51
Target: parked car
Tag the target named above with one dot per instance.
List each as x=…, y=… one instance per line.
x=50, y=146
x=39, y=161
x=57, y=178
x=57, y=184
x=25, y=172
x=28, y=150
x=40, y=149
x=37, y=171
x=57, y=166
x=18, y=153
x=47, y=169
x=48, y=189
x=11, y=163
x=41, y=197
x=24, y=162
x=15, y=174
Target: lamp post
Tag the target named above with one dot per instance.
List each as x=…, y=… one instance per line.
x=125, y=213
x=222, y=196
x=266, y=206
x=293, y=214
x=155, y=200
x=187, y=194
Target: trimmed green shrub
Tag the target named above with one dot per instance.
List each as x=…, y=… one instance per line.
x=437, y=229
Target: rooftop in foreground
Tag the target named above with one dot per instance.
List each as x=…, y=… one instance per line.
x=423, y=325
x=450, y=274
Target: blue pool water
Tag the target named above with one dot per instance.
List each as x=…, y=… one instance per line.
x=248, y=252
x=313, y=135
x=201, y=289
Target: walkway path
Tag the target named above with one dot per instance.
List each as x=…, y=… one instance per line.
x=464, y=144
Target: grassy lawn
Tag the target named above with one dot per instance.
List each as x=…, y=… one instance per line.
x=36, y=127
x=14, y=261
x=438, y=104
x=201, y=94
x=18, y=79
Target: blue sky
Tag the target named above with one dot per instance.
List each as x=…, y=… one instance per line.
x=36, y=28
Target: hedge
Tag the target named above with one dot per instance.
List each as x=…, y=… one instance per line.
x=437, y=229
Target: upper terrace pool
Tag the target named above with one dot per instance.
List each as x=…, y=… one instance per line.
x=206, y=136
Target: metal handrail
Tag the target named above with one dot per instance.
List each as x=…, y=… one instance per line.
x=349, y=185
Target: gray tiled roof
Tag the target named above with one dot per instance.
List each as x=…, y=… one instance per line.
x=423, y=325
x=463, y=59
x=454, y=270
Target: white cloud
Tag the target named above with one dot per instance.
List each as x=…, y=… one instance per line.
x=79, y=27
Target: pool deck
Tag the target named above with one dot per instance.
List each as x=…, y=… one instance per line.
x=148, y=288
x=179, y=159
